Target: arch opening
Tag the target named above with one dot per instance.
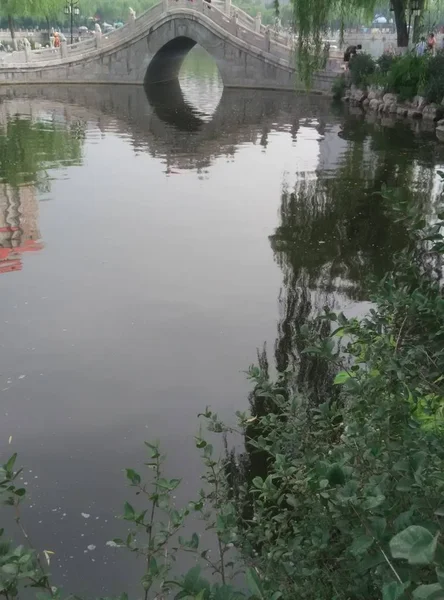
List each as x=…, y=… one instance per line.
x=165, y=65
x=183, y=84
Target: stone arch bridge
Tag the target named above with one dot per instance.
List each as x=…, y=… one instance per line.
x=150, y=49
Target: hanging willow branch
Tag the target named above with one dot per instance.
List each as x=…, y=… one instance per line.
x=310, y=23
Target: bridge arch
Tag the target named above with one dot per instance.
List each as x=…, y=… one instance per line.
x=170, y=41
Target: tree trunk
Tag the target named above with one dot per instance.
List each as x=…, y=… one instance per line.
x=401, y=24
x=12, y=30
x=418, y=23
x=48, y=28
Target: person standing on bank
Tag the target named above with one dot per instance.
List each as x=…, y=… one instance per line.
x=431, y=44
x=421, y=47
x=350, y=51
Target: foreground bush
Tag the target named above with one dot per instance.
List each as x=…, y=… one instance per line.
x=362, y=66
x=407, y=76
x=434, y=79
x=351, y=501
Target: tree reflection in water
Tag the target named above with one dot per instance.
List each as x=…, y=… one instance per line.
x=334, y=237
x=28, y=148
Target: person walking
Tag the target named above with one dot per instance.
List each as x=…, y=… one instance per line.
x=421, y=47
x=431, y=44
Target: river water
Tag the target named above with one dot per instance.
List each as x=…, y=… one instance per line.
x=149, y=244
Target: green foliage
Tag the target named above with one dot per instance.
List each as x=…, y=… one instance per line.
x=20, y=566
x=362, y=67
x=349, y=500
x=434, y=79
x=385, y=62
x=407, y=76
x=339, y=87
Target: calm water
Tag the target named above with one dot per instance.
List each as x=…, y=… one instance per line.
x=148, y=246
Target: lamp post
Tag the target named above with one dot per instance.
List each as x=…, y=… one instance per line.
x=72, y=8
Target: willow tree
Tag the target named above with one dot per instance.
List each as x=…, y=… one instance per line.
x=14, y=9
x=311, y=18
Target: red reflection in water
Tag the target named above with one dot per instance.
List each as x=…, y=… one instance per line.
x=19, y=231
x=10, y=258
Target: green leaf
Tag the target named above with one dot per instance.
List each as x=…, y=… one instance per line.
x=404, y=484
x=11, y=462
x=361, y=544
x=168, y=484
x=20, y=492
x=193, y=582
x=423, y=592
x=153, y=568
x=423, y=552
x=10, y=569
x=133, y=476
x=128, y=513
x=373, y=501
x=341, y=378
x=258, y=483
x=415, y=544
x=393, y=590
x=291, y=500
x=254, y=583
x=352, y=385
x=25, y=558
x=208, y=451
x=379, y=525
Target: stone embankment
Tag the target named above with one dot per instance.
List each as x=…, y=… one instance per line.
x=374, y=100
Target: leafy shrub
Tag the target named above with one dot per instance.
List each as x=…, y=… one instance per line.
x=385, y=62
x=351, y=498
x=383, y=66
x=339, y=86
x=362, y=66
x=434, y=79
x=407, y=75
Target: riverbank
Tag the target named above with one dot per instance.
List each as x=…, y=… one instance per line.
x=405, y=86
x=375, y=102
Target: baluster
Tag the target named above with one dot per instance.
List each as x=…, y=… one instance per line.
x=257, y=23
